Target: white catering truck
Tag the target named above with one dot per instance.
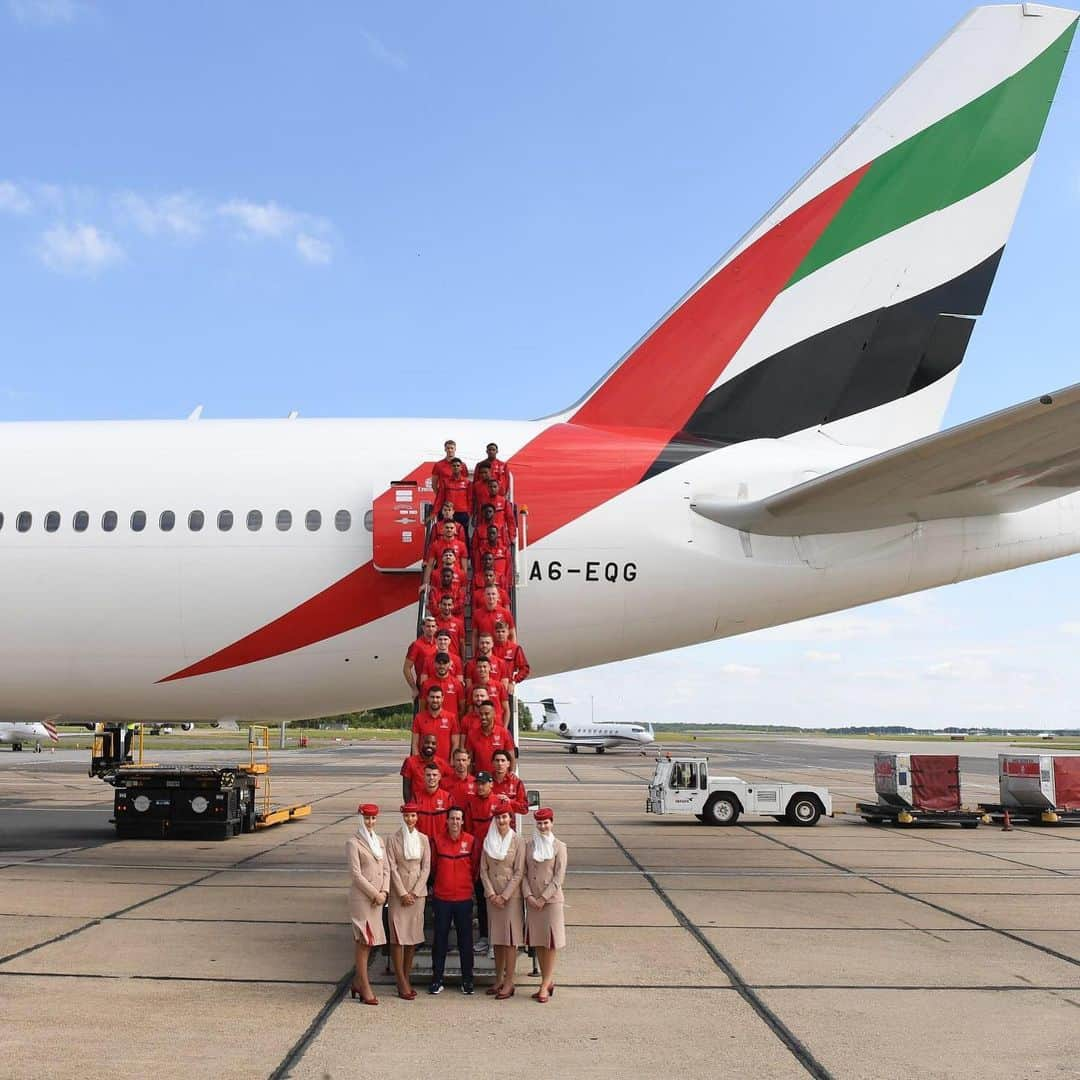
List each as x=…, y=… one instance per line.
x=684, y=786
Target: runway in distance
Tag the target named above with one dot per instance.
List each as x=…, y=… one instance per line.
x=767, y=452
x=599, y=736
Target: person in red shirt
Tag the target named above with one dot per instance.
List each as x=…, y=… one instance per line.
x=450, y=583
x=503, y=512
x=511, y=656
x=412, y=768
x=443, y=644
x=452, y=687
x=498, y=470
x=485, y=650
x=453, y=624
x=486, y=578
x=432, y=803
x=486, y=519
x=508, y=783
x=447, y=514
x=457, y=490
x=434, y=721
x=483, y=741
x=460, y=783
x=441, y=471
x=479, y=812
x=481, y=475
x=422, y=649
x=486, y=617
x=446, y=540
x=497, y=689
x=455, y=858
x=488, y=542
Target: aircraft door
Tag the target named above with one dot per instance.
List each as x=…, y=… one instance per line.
x=398, y=522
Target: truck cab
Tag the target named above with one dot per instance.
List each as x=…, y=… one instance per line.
x=685, y=785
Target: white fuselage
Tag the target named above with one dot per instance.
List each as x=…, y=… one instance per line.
x=12, y=734
x=94, y=620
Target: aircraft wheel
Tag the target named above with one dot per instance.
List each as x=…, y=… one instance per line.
x=599, y=749
x=572, y=749
x=16, y=748
x=721, y=810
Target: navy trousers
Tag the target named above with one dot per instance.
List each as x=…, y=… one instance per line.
x=458, y=913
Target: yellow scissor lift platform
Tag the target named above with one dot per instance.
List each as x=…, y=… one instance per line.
x=160, y=801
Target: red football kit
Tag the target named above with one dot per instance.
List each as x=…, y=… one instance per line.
x=453, y=692
x=484, y=621
x=501, y=556
x=456, y=594
x=441, y=471
x=461, y=790
x=456, y=492
x=412, y=769
x=456, y=864
x=500, y=472
x=441, y=545
x=442, y=727
x=456, y=626
x=482, y=746
x=514, y=790
x=512, y=662
x=478, y=815
x=420, y=652
x=496, y=668
x=431, y=812
x=504, y=516
x=428, y=669
x=480, y=591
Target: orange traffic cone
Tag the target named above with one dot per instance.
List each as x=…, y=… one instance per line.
x=1006, y=822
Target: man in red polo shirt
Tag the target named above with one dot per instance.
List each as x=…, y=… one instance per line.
x=445, y=540
x=441, y=471
x=485, y=650
x=453, y=624
x=434, y=721
x=412, y=769
x=447, y=514
x=497, y=689
x=452, y=687
x=508, y=783
x=497, y=470
x=422, y=649
x=432, y=803
x=483, y=741
x=479, y=811
x=480, y=587
x=503, y=512
x=455, y=859
x=511, y=656
x=450, y=582
x=489, y=541
x=460, y=784
x=481, y=475
x=456, y=489
x=485, y=618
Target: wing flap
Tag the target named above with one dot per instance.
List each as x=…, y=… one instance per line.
x=999, y=464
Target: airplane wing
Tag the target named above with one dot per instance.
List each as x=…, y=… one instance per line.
x=1007, y=461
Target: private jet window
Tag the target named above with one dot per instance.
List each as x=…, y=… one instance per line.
x=283, y=520
x=81, y=521
x=254, y=520
x=166, y=521
x=138, y=520
x=195, y=520
x=225, y=520
x=1, y=521
x=108, y=520
x=24, y=521
x=313, y=520
x=52, y=521
x=343, y=521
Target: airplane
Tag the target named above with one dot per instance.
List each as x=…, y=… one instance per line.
x=769, y=451
x=600, y=736
x=14, y=735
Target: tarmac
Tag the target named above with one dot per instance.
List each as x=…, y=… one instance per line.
x=844, y=950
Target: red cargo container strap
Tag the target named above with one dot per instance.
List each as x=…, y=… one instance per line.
x=935, y=781
x=1067, y=783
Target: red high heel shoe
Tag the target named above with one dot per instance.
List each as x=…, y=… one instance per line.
x=502, y=995
x=356, y=992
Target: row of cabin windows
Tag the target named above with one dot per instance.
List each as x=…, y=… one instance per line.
x=80, y=521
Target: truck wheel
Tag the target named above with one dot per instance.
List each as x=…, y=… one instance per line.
x=721, y=810
x=804, y=810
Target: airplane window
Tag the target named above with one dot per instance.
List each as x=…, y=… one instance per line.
x=138, y=520
x=108, y=520
x=283, y=520
x=225, y=520
x=1, y=521
x=313, y=520
x=343, y=521
x=195, y=520
x=24, y=521
x=254, y=520
x=80, y=521
x=369, y=520
x=166, y=521
x=52, y=521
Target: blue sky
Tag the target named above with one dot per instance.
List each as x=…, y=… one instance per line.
x=267, y=207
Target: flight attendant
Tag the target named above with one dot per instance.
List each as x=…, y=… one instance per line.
x=409, y=855
x=502, y=867
x=369, y=885
x=545, y=924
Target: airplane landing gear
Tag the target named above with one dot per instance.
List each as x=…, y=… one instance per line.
x=572, y=749
x=16, y=747
x=601, y=749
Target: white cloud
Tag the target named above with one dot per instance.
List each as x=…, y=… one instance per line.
x=818, y=657
x=842, y=626
x=1070, y=628
x=13, y=199
x=267, y=220
x=78, y=249
x=741, y=671
x=46, y=12
x=381, y=52
x=179, y=215
x=313, y=250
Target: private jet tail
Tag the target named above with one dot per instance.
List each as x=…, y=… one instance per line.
x=849, y=306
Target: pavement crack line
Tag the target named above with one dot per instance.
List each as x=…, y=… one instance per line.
x=311, y=1032
x=920, y=900
x=798, y=1049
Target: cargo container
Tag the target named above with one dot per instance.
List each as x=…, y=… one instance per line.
x=1041, y=786
x=913, y=787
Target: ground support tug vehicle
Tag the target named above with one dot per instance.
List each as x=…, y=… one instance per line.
x=1037, y=788
x=164, y=801
x=923, y=788
x=685, y=786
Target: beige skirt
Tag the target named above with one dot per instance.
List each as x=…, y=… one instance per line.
x=546, y=927
x=406, y=923
x=506, y=925
x=366, y=919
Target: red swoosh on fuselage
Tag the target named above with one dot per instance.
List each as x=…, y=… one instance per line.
x=605, y=448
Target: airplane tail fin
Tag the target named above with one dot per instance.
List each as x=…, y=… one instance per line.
x=551, y=714
x=850, y=304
